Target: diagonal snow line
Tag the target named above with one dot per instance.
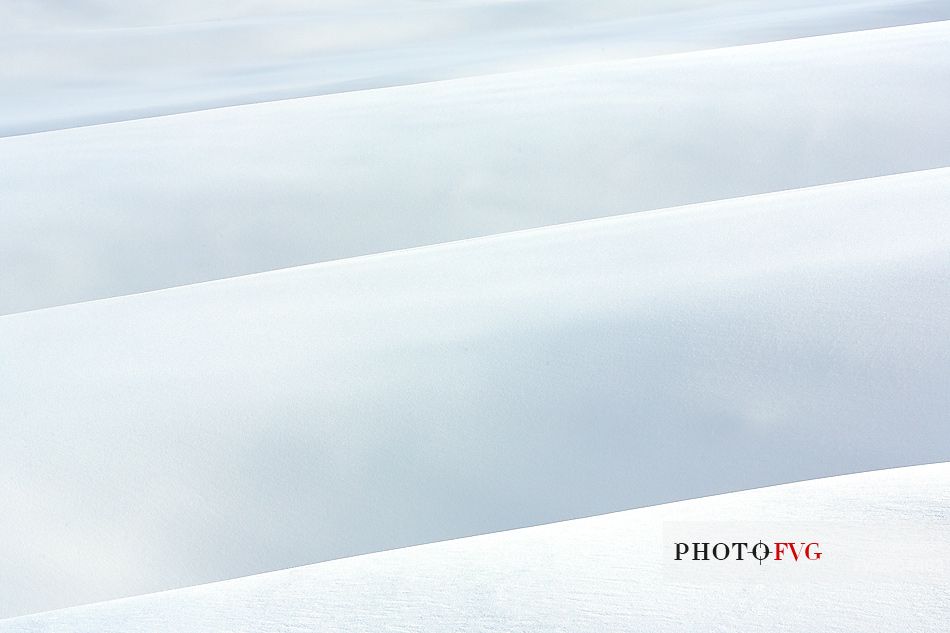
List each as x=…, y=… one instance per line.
x=817, y=40
x=848, y=496
x=549, y=229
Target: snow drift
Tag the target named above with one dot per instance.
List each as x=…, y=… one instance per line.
x=227, y=428
x=884, y=567
x=65, y=63
x=110, y=210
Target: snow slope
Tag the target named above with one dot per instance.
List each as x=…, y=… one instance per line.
x=65, y=63
x=884, y=538
x=227, y=428
x=115, y=209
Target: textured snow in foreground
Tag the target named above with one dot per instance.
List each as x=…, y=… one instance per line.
x=66, y=63
x=111, y=210
x=885, y=566
x=228, y=428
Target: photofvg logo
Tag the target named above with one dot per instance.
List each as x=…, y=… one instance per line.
x=761, y=551
x=711, y=552
x=757, y=552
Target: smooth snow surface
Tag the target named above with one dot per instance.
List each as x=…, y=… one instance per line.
x=238, y=426
x=885, y=566
x=109, y=210
x=65, y=63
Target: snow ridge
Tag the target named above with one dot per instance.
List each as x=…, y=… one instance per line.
x=884, y=538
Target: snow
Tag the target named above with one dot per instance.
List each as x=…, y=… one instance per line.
x=115, y=209
x=65, y=63
x=216, y=430
x=884, y=537
x=529, y=260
